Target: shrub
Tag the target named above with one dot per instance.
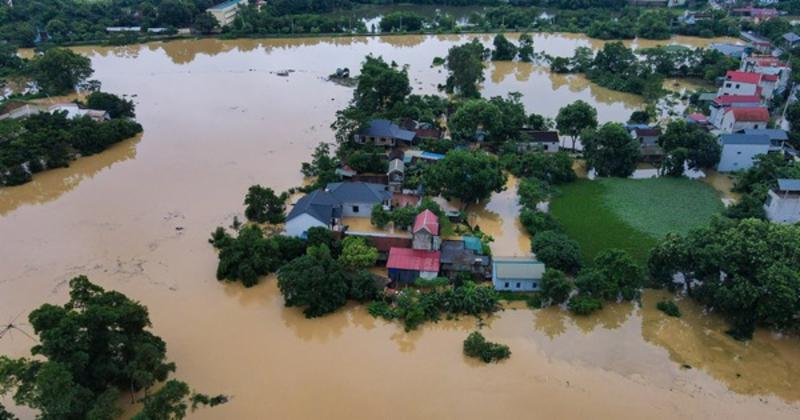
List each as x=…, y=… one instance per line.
x=555, y=286
x=557, y=250
x=536, y=221
x=669, y=307
x=476, y=346
x=584, y=304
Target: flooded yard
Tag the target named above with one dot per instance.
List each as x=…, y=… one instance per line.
x=136, y=218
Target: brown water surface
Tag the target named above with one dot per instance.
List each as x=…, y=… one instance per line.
x=217, y=120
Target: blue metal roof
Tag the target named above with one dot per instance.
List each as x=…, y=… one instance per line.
x=473, y=243
x=772, y=133
x=792, y=185
x=745, y=139
x=386, y=128
x=225, y=5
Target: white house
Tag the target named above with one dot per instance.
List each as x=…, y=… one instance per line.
x=738, y=150
x=775, y=73
x=226, y=12
x=316, y=209
x=783, y=203
x=741, y=118
x=740, y=83
x=721, y=104
x=517, y=274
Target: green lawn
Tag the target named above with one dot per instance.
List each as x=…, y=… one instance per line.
x=632, y=214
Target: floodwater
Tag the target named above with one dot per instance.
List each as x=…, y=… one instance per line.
x=136, y=218
x=499, y=217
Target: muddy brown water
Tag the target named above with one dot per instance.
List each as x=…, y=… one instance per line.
x=136, y=218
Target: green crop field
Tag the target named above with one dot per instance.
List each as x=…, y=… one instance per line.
x=632, y=214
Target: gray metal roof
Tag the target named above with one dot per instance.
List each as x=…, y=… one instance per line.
x=792, y=185
x=745, y=139
x=518, y=269
x=729, y=49
x=772, y=133
x=791, y=37
x=318, y=204
x=386, y=128
x=358, y=192
x=397, y=165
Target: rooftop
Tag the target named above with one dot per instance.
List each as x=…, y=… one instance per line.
x=791, y=37
x=647, y=132
x=760, y=113
x=518, y=269
x=539, y=136
x=225, y=5
x=745, y=139
x=318, y=204
x=743, y=77
x=358, y=192
x=737, y=99
x=427, y=220
x=791, y=185
x=386, y=128
x=413, y=259
x=772, y=133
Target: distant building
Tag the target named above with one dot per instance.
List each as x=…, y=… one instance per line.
x=384, y=133
x=739, y=150
x=74, y=111
x=111, y=29
x=783, y=202
x=517, y=274
x=226, y=12
x=648, y=142
x=741, y=118
x=756, y=42
x=775, y=74
x=777, y=137
x=358, y=198
x=547, y=141
x=460, y=257
x=730, y=50
x=791, y=39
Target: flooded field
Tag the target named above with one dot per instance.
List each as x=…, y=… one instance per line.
x=217, y=120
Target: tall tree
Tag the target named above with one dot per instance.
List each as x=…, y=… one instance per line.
x=574, y=118
x=380, y=86
x=465, y=69
x=264, y=206
x=59, y=70
x=611, y=150
x=315, y=282
x=504, y=50
x=467, y=175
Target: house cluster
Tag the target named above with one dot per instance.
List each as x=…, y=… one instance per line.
x=422, y=252
x=71, y=109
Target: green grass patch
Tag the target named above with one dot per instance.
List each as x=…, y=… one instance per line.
x=632, y=214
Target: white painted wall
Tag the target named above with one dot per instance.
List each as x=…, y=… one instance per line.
x=736, y=157
x=516, y=285
x=300, y=224
x=782, y=210
x=737, y=88
x=364, y=209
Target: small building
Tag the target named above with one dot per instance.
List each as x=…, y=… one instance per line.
x=412, y=155
x=730, y=50
x=458, y=257
x=791, y=39
x=358, y=198
x=226, y=12
x=697, y=118
x=345, y=171
x=740, y=83
x=783, y=202
x=737, y=119
x=739, y=150
x=547, y=141
x=396, y=175
x=775, y=74
x=777, y=137
x=426, y=231
x=722, y=103
x=406, y=265
x=756, y=42
x=517, y=274
x=384, y=133
x=74, y=111
x=23, y=111
x=648, y=142
x=112, y=29
x=316, y=209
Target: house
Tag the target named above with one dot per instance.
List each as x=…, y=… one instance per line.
x=357, y=198
x=783, y=202
x=721, y=104
x=226, y=12
x=648, y=142
x=74, y=111
x=775, y=74
x=697, y=118
x=756, y=42
x=730, y=50
x=23, y=111
x=326, y=207
x=691, y=18
x=396, y=175
x=406, y=265
x=458, y=257
x=547, y=141
x=517, y=274
x=316, y=209
x=384, y=133
x=744, y=118
x=738, y=151
x=755, y=13
x=777, y=137
x=426, y=231
x=111, y=29
x=791, y=39
x=412, y=155
x=740, y=83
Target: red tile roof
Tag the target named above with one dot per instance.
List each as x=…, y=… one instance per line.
x=766, y=61
x=427, y=220
x=750, y=113
x=770, y=77
x=413, y=259
x=743, y=76
x=736, y=99
x=698, y=117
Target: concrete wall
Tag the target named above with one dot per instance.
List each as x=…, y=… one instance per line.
x=516, y=285
x=737, y=88
x=782, y=209
x=363, y=209
x=736, y=157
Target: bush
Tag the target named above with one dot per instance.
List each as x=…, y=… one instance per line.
x=556, y=250
x=432, y=283
x=669, y=307
x=555, y=286
x=535, y=221
x=584, y=304
x=476, y=346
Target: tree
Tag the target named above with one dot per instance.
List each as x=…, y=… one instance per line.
x=205, y=23
x=381, y=86
x=525, y=48
x=496, y=120
x=174, y=13
x=247, y=257
x=639, y=117
x=400, y=21
x=615, y=275
x=539, y=122
x=504, y=50
x=476, y=346
x=702, y=148
x=574, y=118
x=113, y=104
x=556, y=250
x=674, y=162
x=315, y=282
x=89, y=351
x=584, y=304
x=555, y=286
x=264, y=206
x=536, y=221
x=5, y=415
x=470, y=176
x=611, y=150
x=59, y=70
x=357, y=254
x=322, y=166
x=465, y=69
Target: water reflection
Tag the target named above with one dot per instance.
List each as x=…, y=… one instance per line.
x=49, y=185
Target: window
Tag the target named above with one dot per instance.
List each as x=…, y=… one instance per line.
x=506, y=286
x=534, y=285
x=355, y=209
x=737, y=86
x=727, y=85
x=738, y=153
x=518, y=285
x=755, y=126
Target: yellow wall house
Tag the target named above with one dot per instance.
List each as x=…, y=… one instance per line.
x=226, y=12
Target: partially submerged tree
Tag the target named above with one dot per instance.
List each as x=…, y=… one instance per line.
x=467, y=175
x=264, y=206
x=574, y=118
x=465, y=69
x=59, y=70
x=611, y=150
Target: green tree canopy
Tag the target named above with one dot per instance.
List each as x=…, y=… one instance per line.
x=59, y=70
x=504, y=50
x=574, y=118
x=264, y=206
x=465, y=69
x=380, y=86
x=556, y=250
x=315, y=282
x=611, y=150
x=703, y=149
x=470, y=176
x=357, y=254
